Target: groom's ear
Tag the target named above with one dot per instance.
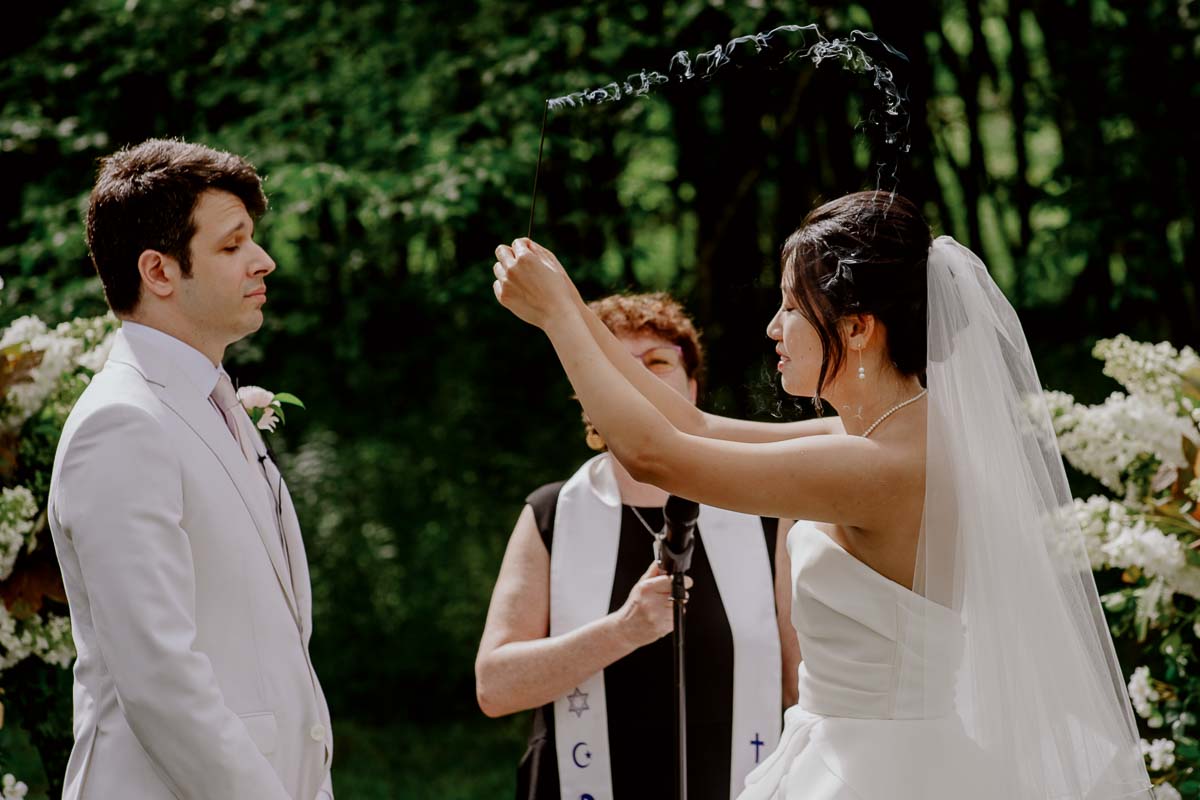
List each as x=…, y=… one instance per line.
x=159, y=273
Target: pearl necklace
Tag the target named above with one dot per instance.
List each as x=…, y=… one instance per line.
x=894, y=409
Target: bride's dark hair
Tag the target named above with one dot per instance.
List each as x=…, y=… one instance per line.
x=863, y=253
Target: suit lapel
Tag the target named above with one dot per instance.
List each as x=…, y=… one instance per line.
x=178, y=394
x=295, y=543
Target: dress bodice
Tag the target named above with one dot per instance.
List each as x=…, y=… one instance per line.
x=871, y=648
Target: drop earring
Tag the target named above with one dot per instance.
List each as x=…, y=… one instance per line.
x=862, y=373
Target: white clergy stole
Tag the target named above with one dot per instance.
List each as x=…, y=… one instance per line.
x=583, y=561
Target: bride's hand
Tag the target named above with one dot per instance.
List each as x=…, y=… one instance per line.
x=531, y=283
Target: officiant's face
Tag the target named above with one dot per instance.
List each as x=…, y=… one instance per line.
x=226, y=292
x=663, y=359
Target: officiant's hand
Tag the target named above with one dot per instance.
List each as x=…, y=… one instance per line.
x=647, y=615
x=531, y=282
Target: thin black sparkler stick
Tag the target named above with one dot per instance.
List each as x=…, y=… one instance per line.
x=537, y=170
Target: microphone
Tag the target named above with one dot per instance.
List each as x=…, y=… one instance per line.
x=679, y=519
x=679, y=515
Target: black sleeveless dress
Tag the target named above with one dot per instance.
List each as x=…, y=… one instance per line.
x=639, y=687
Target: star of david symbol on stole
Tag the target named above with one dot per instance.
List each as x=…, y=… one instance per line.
x=578, y=701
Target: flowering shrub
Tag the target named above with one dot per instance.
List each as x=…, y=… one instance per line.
x=42, y=373
x=1144, y=540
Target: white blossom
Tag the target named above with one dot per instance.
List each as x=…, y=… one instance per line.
x=253, y=397
x=18, y=508
x=1151, y=371
x=94, y=358
x=1104, y=440
x=1118, y=538
x=1141, y=693
x=1165, y=791
x=48, y=639
x=268, y=420
x=59, y=353
x=11, y=788
x=1161, y=753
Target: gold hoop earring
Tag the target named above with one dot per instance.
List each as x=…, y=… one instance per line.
x=594, y=440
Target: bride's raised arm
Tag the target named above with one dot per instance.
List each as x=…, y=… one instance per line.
x=815, y=477
x=684, y=415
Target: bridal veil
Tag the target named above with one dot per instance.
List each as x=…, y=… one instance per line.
x=1036, y=685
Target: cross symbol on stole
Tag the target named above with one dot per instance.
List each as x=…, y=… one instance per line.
x=757, y=744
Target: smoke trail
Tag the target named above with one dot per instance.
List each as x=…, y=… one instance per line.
x=769, y=50
x=761, y=50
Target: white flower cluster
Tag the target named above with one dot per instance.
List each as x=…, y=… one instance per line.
x=1104, y=440
x=96, y=335
x=58, y=354
x=1161, y=753
x=80, y=343
x=49, y=639
x=18, y=508
x=11, y=788
x=1142, y=693
x=1116, y=537
x=1134, y=444
x=1147, y=370
x=1165, y=791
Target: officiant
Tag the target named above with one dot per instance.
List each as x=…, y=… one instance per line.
x=580, y=615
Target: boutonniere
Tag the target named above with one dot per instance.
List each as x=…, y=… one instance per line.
x=265, y=408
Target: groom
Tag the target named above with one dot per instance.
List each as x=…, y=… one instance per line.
x=179, y=546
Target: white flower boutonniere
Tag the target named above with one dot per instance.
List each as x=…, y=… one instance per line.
x=265, y=408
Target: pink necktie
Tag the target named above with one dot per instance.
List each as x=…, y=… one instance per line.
x=226, y=400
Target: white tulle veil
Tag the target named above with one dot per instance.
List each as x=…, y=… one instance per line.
x=1037, y=686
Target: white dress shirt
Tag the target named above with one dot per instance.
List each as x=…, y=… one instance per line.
x=195, y=366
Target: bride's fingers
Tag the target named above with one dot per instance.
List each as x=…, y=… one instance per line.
x=505, y=256
x=496, y=290
x=498, y=270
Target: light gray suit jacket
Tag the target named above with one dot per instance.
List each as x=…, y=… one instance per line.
x=193, y=678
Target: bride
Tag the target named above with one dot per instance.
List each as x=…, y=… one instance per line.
x=952, y=641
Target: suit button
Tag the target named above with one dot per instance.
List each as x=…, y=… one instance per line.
x=317, y=732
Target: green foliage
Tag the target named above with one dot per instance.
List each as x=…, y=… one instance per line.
x=439, y=760
x=36, y=738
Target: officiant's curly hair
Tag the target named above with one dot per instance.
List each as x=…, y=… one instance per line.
x=863, y=253
x=657, y=314
x=143, y=200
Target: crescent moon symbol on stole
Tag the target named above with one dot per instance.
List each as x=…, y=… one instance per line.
x=575, y=755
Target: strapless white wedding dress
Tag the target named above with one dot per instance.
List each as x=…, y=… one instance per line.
x=862, y=730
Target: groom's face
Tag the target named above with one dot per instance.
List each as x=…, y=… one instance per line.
x=226, y=291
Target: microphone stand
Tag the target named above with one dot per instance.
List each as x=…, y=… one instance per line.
x=676, y=557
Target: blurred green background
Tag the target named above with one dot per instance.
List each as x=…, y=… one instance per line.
x=399, y=143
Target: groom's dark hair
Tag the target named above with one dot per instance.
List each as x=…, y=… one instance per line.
x=863, y=253
x=143, y=200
